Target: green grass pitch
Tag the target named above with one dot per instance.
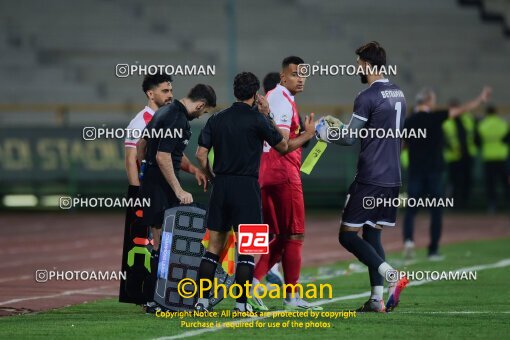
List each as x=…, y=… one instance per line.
x=439, y=309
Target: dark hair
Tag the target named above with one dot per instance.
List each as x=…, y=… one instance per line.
x=292, y=60
x=152, y=81
x=372, y=53
x=202, y=92
x=270, y=81
x=424, y=95
x=246, y=84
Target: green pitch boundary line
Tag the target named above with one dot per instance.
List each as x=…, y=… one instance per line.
x=500, y=264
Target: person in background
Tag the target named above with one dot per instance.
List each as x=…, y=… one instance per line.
x=426, y=163
x=492, y=137
x=460, y=152
x=269, y=83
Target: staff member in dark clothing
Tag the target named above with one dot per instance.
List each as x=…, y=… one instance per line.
x=237, y=135
x=169, y=132
x=164, y=155
x=426, y=163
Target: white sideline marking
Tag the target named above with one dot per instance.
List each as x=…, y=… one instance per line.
x=64, y=293
x=17, y=278
x=60, y=258
x=52, y=248
x=499, y=264
x=32, y=277
x=108, y=293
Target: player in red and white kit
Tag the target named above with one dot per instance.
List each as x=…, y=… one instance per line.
x=159, y=91
x=282, y=192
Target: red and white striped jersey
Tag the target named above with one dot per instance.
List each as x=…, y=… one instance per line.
x=140, y=121
x=275, y=168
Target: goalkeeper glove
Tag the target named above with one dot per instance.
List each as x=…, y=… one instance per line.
x=327, y=124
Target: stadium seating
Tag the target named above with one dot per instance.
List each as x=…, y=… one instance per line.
x=68, y=54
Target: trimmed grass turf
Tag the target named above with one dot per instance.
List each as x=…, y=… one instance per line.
x=425, y=311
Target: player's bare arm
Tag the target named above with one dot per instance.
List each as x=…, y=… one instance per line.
x=203, y=161
x=200, y=175
x=164, y=160
x=296, y=143
x=131, y=166
x=141, y=146
x=483, y=97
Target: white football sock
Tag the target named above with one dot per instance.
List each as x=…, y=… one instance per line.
x=377, y=293
x=383, y=269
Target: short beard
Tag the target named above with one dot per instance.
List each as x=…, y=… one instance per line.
x=364, y=78
x=161, y=104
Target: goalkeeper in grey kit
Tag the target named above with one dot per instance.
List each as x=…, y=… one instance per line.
x=381, y=106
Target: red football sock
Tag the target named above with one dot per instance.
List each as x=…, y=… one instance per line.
x=291, y=261
x=267, y=261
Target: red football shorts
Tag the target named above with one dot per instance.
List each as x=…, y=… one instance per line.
x=283, y=208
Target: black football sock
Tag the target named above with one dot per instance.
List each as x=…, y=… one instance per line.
x=373, y=237
x=207, y=271
x=361, y=249
x=244, y=273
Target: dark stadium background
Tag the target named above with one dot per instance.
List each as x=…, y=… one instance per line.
x=58, y=75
